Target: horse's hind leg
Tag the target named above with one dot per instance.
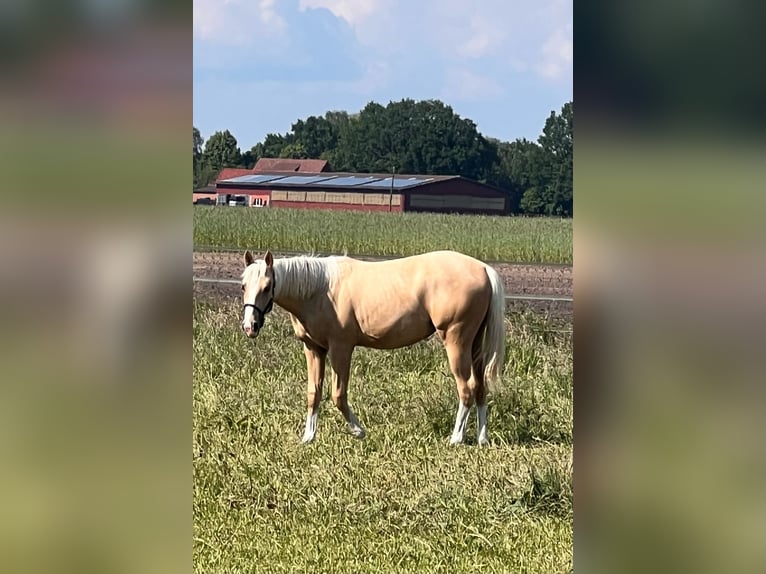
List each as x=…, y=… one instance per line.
x=459, y=356
x=315, y=361
x=340, y=359
x=480, y=393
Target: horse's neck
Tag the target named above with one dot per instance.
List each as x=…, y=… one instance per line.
x=297, y=284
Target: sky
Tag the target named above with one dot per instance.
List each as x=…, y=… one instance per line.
x=260, y=65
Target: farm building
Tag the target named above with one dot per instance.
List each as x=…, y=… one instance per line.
x=361, y=191
x=209, y=196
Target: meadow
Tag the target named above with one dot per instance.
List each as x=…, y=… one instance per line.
x=401, y=500
x=490, y=238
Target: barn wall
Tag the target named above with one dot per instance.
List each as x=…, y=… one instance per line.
x=198, y=196
x=253, y=194
x=336, y=199
x=264, y=197
x=460, y=187
x=448, y=201
x=457, y=196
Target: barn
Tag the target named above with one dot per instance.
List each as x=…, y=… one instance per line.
x=305, y=183
x=209, y=195
x=364, y=191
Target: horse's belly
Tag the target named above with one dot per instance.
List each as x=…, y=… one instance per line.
x=401, y=333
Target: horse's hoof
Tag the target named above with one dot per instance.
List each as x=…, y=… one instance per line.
x=454, y=441
x=358, y=433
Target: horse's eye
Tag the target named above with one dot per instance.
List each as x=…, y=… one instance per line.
x=243, y=287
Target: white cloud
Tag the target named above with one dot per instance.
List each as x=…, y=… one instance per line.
x=376, y=76
x=378, y=24
x=237, y=22
x=352, y=11
x=208, y=19
x=464, y=85
x=526, y=37
x=557, y=54
x=268, y=15
x=484, y=37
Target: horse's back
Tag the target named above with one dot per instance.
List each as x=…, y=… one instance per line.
x=414, y=294
x=435, y=269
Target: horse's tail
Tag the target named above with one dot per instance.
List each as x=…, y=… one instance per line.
x=492, y=351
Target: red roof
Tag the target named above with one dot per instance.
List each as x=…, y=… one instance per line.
x=229, y=172
x=282, y=164
x=275, y=164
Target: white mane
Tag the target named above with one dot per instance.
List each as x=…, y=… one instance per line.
x=299, y=277
x=303, y=276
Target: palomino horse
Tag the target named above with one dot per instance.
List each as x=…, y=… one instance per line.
x=338, y=303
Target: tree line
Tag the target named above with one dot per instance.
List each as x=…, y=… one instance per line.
x=417, y=137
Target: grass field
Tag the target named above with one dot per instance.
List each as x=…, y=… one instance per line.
x=516, y=239
x=401, y=500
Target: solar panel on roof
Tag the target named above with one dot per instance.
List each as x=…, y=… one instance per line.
x=300, y=179
x=399, y=183
x=379, y=183
x=260, y=178
x=351, y=180
x=410, y=181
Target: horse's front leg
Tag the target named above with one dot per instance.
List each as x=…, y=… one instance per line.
x=340, y=358
x=315, y=361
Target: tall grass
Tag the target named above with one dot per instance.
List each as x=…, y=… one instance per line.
x=517, y=239
x=401, y=499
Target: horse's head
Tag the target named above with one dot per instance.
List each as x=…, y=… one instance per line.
x=257, y=292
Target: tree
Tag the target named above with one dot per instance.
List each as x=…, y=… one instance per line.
x=273, y=144
x=221, y=151
x=519, y=170
x=414, y=137
x=249, y=158
x=294, y=150
x=315, y=136
x=197, y=142
x=246, y=160
x=533, y=201
x=556, y=142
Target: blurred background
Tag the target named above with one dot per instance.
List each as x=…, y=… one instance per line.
x=670, y=274
x=95, y=245
x=95, y=252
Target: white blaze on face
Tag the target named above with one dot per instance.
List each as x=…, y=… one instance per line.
x=250, y=289
x=247, y=320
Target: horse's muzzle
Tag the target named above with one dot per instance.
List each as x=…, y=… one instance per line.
x=250, y=330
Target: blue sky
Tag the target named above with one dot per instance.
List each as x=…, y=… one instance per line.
x=260, y=65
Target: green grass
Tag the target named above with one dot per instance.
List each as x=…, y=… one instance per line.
x=401, y=499
x=517, y=239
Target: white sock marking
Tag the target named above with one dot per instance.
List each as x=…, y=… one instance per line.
x=481, y=416
x=354, y=426
x=311, y=427
x=460, y=420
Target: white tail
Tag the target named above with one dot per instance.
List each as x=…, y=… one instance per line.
x=493, y=345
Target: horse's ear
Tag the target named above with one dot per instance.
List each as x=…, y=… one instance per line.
x=269, y=258
x=248, y=258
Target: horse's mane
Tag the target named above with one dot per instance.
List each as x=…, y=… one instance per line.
x=304, y=276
